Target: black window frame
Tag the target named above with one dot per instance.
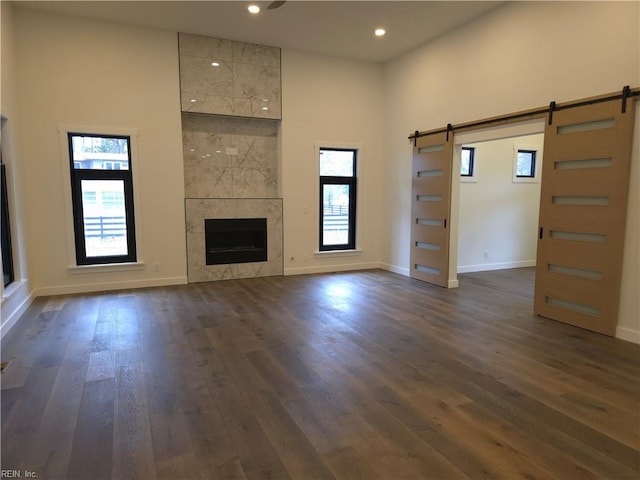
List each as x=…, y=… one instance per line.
x=472, y=156
x=534, y=154
x=80, y=174
x=352, y=182
x=8, y=273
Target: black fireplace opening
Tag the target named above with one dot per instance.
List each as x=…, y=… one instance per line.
x=235, y=240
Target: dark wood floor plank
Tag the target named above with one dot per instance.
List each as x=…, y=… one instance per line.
x=510, y=461
x=253, y=448
x=92, y=452
x=52, y=449
x=541, y=452
x=366, y=375
x=170, y=435
x=543, y=429
x=444, y=442
x=347, y=462
x=293, y=447
x=355, y=382
x=133, y=455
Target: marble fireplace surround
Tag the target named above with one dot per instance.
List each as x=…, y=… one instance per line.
x=229, y=157
x=199, y=209
x=231, y=107
x=227, y=77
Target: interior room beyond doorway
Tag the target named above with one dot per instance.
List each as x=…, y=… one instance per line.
x=499, y=204
x=495, y=211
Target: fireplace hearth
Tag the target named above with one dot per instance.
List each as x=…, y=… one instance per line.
x=235, y=240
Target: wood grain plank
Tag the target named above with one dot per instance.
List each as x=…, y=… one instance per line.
x=92, y=451
x=351, y=375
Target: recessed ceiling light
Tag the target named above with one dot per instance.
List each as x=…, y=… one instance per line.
x=215, y=64
x=265, y=108
x=253, y=9
x=193, y=100
x=380, y=32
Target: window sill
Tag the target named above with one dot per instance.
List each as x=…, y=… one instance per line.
x=525, y=180
x=106, y=268
x=338, y=253
x=9, y=290
x=468, y=180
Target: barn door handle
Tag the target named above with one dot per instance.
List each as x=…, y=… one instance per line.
x=541, y=233
x=445, y=223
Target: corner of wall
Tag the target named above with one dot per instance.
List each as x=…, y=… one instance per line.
x=628, y=334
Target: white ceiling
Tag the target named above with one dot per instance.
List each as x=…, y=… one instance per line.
x=338, y=28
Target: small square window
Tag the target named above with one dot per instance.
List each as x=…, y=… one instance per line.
x=526, y=164
x=467, y=161
x=527, y=160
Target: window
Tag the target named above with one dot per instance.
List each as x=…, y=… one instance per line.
x=337, y=199
x=466, y=161
x=112, y=165
x=102, y=198
x=7, y=254
x=526, y=163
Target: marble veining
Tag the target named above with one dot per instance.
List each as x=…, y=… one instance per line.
x=229, y=78
x=206, y=47
x=256, y=54
x=229, y=157
x=199, y=209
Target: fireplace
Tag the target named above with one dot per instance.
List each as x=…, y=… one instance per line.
x=235, y=240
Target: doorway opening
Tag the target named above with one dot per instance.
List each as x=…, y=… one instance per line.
x=494, y=213
x=499, y=205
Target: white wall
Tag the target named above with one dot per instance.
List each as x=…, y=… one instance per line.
x=338, y=103
x=72, y=71
x=17, y=297
x=496, y=215
x=522, y=55
x=629, y=315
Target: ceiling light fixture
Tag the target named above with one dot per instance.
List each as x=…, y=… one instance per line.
x=380, y=32
x=253, y=9
x=215, y=64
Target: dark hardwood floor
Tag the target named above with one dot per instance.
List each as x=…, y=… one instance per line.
x=365, y=375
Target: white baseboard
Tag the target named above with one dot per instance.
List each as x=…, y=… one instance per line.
x=331, y=268
x=395, y=269
x=628, y=334
x=15, y=302
x=485, y=267
x=107, y=286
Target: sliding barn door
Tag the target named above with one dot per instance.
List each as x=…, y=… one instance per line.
x=585, y=180
x=431, y=204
